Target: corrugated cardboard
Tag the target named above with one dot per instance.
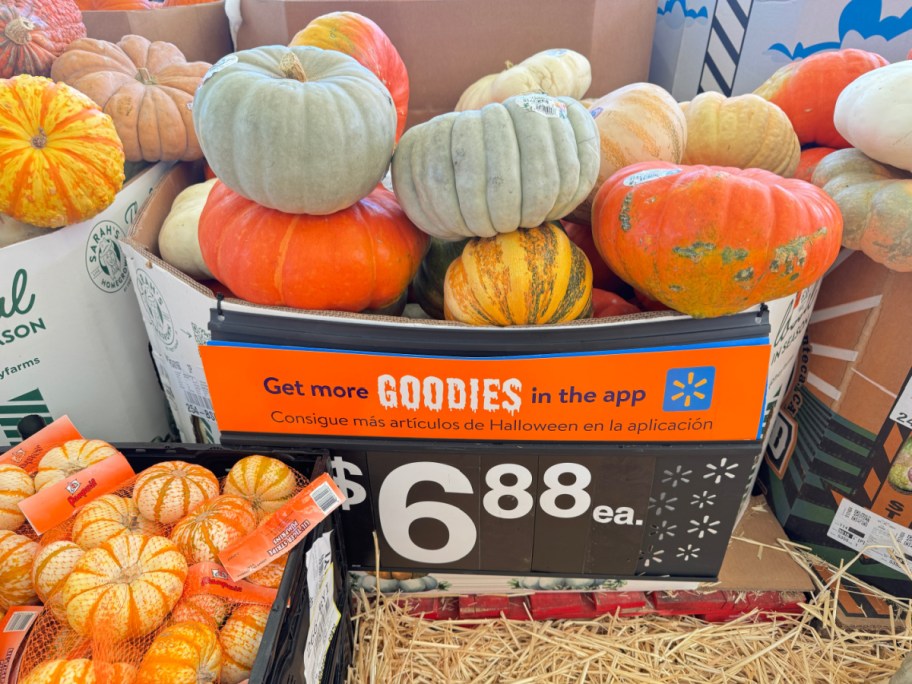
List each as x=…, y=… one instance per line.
x=732, y=46
x=447, y=45
x=200, y=31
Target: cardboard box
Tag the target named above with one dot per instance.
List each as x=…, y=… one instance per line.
x=732, y=46
x=447, y=46
x=71, y=339
x=843, y=431
x=200, y=31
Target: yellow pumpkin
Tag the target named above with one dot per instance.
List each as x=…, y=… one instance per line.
x=79, y=671
x=167, y=491
x=16, y=556
x=15, y=485
x=107, y=517
x=213, y=525
x=240, y=639
x=207, y=609
x=50, y=569
x=69, y=458
x=265, y=482
x=184, y=653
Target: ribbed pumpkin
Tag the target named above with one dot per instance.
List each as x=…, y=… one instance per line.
x=744, y=131
x=270, y=257
x=709, y=240
x=92, y=5
x=34, y=32
x=876, y=205
x=69, y=458
x=184, y=653
x=52, y=565
x=637, y=123
x=269, y=575
x=124, y=588
x=16, y=556
x=528, y=277
x=145, y=86
x=207, y=609
x=62, y=161
x=357, y=36
x=532, y=159
x=212, y=525
x=240, y=639
x=807, y=91
x=323, y=167
x=427, y=286
x=603, y=278
x=79, y=671
x=809, y=160
x=265, y=482
x=167, y=491
x=115, y=673
x=107, y=517
x=178, y=241
x=15, y=485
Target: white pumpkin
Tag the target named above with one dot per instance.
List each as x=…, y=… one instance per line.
x=13, y=231
x=178, y=242
x=873, y=114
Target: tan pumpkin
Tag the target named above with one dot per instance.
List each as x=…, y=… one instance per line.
x=15, y=485
x=146, y=87
x=125, y=588
x=108, y=517
x=207, y=609
x=16, y=556
x=167, y=491
x=184, y=653
x=240, y=639
x=746, y=131
x=269, y=575
x=213, y=525
x=178, y=241
x=265, y=482
x=50, y=569
x=637, y=123
x=69, y=458
x=79, y=671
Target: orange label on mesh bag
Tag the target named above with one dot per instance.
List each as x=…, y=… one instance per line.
x=284, y=529
x=14, y=627
x=57, y=502
x=27, y=453
x=211, y=579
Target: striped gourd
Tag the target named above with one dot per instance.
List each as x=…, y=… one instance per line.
x=265, y=482
x=167, y=491
x=184, y=653
x=207, y=609
x=213, y=525
x=15, y=485
x=269, y=575
x=107, y=517
x=240, y=638
x=69, y=458
x=50, y=569
x=16, y=556
x=79, y=671
x=528, y=277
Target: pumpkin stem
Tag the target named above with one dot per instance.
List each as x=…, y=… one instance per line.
x=509, y=64
x=38, y=142
x=144, y=77
x=19, y=30
x=292, y=68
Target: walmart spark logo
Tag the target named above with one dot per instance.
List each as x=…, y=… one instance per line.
x=689, y=389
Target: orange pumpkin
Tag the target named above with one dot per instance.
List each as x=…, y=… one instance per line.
x=62, y=161
x=265, y=482
x=115, y=673
x=34, y=32
x=182, y=3
x=69, y=458
x=16, y=556
x=808, y=161
x=207, y=609
x=240, y=638
x=79, y=671
x=92, y=5
x=167, y=491
x=15, y=485
x=50, y=569
x=269, y=575
x=184, y=653
x=124, y=588
x=107, y=517
x=213, y=525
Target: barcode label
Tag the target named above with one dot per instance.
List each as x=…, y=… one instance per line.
x=325, y=498
x=544, y=105
x=878, y=538
x=199, y=400
x=20, y=622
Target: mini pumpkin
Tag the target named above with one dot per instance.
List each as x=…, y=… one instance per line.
x=212, y=525
x=240, y=639
x=113, y=5
x=166, y=492
x=15, y=485
x=50, y=569
x=184, y=653
x=269, y=575
x=77, y=671
x=207, y=609
x=108, y=517
x=16, y=556
x=69, y=458
x=265, y=482
x=33, y=33
x=178, y=241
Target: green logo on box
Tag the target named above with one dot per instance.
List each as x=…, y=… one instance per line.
x=105, y=260
x=157, y=314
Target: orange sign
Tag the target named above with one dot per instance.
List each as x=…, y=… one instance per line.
x=27, y=453
x=211, y=578
x=667, y=395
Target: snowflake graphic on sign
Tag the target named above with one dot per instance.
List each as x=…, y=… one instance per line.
x=654, y=556
x=662, y=502
x=689, y=389
x=704, y=527
x=676, y=476
x=723, y=470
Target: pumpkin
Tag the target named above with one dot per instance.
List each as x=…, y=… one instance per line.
x=270, y=257
x=15, y=485
x=166, y=492
x=69, y=458
x=212, y=525
x=883, y=96
x=13, y=231
x=710, y=240
x=427, y=285
x=145, y=86
x=16, y=556
x=744, y=131
x=357, y=36
x=114, y=673
x=323, y=167
x=608, y=304
x=207, y=609
x=240, y=639
x=269, y=575
x=34, y=32
x=808, y=161
x=647, y=303
x=807, y=90
x=557, y=72
x=527, y=277
x=178, y=241
x=184, y=653
x=637, y=123
x=109, y=5
x=603, y=277
x=876, y=205
x=62, y=161
x=182, y=3
x=265, y=482
x=78, y=671
x=532, y=159
x=50, y=569
x=124, y=588
x=107, y=517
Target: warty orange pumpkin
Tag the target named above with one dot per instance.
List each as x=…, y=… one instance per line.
x=34, y=32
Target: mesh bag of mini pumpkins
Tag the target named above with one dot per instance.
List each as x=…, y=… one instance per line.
x=132, y=581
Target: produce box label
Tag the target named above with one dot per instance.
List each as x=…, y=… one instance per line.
x=690, y=393
x=14, y=627
x=883, y=540
x=29, y=452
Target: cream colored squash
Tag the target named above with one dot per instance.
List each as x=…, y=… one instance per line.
x=480, y=91
x=178, y=242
